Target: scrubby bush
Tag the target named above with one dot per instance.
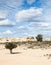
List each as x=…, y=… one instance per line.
x=10, y=46
x=39, y=37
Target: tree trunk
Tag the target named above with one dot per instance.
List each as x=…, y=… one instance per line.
x=11, y=51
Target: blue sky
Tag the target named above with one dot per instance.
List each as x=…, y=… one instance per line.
x=22, y=18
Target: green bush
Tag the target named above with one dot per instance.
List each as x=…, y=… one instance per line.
x=10, y=46
x=39, y=37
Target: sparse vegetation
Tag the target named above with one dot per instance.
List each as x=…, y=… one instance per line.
x=48, y=55
x=10, y=46
x=30, y=37
x=39, y=37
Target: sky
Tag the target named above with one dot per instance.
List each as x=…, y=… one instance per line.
x=22, y=18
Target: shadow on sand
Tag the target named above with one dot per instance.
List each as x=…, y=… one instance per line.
x=16, y=52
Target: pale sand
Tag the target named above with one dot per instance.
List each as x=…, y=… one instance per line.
x=25, y=57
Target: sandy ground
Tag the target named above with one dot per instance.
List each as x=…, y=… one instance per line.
x=24, y=57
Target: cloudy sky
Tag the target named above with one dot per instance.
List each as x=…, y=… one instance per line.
x=22, y=18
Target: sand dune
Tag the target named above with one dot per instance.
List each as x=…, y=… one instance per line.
x=25, y=57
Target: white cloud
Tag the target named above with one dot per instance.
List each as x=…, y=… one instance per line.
x=41, y=27
x=33, y=27
x=3, y=14
x=46, y=2
x=30, y=1
x=14, y=3
x=6, y=22
x=8, y=32
x=25, y=33
x=20, y=27
x=28, y=15
x=45, y=24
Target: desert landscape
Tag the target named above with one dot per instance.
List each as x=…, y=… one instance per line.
x=25, y=32
x=26, y=54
